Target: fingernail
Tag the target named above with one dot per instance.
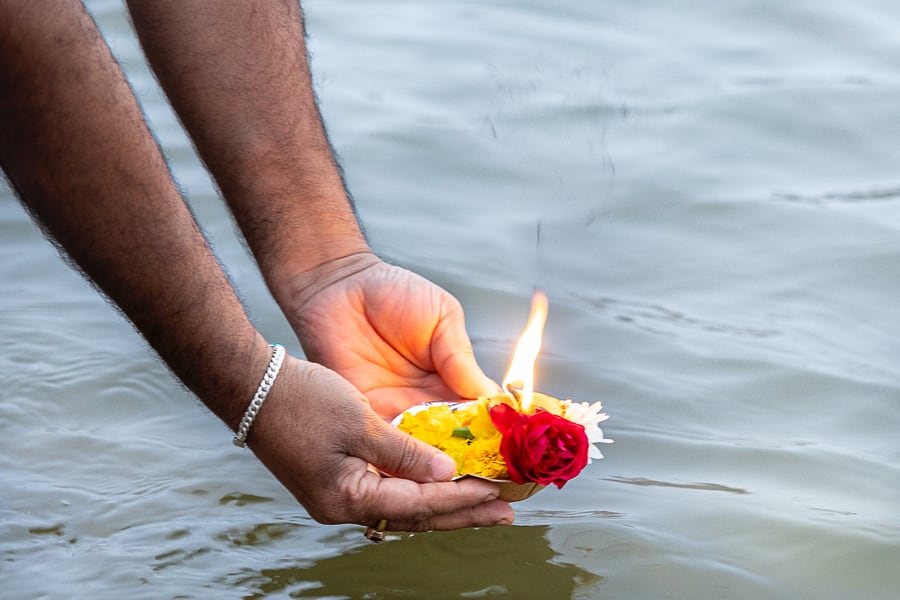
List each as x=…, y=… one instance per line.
x=490, y=387
x=442, y=467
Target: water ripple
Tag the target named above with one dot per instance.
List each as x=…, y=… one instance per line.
x=657, y=318
x=706, y=487
x=888, y=193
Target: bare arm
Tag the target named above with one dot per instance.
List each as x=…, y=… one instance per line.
x=75, y=147
x=238, y=75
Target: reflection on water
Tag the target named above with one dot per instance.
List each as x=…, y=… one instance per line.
x=514, y=562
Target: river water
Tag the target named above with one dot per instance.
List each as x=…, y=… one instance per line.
x=710, y=197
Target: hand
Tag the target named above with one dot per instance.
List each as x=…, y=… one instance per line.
x=397, y=337
x=317, y=435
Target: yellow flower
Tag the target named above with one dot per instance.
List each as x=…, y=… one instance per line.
x=465, y=432
x=483, y=458
x=432, y=426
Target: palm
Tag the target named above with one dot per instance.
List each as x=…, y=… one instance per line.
x=394, y=335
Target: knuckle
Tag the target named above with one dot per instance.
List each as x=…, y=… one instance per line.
x=408, y=455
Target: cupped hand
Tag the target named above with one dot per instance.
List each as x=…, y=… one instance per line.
x=397, y=337
x=317, y=434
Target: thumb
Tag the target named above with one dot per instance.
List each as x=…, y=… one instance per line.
x=454, y=359
x=400, y=455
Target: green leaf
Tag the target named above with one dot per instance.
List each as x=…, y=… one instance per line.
x=463, y=432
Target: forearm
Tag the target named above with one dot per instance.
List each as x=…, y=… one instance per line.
x=75, y=147
x=237, y=74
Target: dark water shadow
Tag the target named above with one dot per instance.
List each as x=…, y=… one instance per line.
x=511, y=562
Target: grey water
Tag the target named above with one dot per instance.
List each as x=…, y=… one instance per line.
x=710, y=196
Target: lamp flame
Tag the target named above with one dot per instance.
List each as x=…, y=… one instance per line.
x=519, y=378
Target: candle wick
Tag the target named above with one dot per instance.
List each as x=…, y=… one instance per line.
x=514, y=391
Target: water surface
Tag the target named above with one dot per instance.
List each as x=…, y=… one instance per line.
x=710, y=197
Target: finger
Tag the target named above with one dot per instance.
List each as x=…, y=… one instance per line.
x=408, y=506
x=401, y=455
x=487, y=514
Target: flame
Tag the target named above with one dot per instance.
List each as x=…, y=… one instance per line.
x=520, y=375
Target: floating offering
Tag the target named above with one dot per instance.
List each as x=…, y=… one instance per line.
x=523, y=440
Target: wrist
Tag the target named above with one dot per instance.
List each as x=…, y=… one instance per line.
x=225, y=376
x=295, y=240
x=262, y=392
x=293, y=288
x=307, y=253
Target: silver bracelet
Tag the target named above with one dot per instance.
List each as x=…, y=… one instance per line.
x=240, y=438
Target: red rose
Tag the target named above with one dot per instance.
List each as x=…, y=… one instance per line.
x=543, y=447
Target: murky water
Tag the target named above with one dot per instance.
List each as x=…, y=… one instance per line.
x=710, y=196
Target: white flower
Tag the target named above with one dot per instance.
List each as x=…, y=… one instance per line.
x=589, y=416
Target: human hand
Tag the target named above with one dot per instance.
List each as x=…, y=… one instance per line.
x=397, y=337
x=317, y=434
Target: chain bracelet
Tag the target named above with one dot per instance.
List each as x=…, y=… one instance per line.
x=240, y=438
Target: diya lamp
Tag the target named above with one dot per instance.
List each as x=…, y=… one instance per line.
x=521, y=439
